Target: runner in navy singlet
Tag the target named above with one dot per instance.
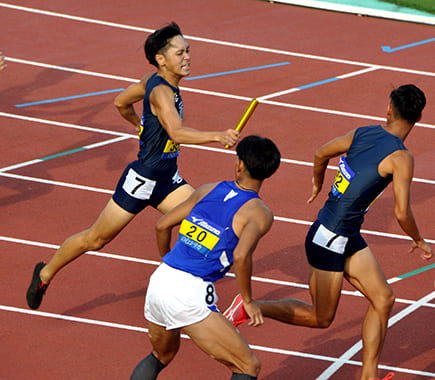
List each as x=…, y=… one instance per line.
x=375, y=156
x=153, y=179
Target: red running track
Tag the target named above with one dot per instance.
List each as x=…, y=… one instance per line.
x=91, y=325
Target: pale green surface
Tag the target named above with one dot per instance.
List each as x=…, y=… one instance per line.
x=380, y=5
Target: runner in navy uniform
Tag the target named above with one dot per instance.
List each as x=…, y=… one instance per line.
x=153, y=179
x=334, y=246
x=220, y=225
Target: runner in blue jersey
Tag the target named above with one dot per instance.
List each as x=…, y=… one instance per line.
x=153, y=179
x=375, y=156
x=220, y=226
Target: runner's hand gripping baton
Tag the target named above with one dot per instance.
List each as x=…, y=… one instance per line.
x=245, y=117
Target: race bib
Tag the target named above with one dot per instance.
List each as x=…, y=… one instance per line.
x=137, y=186
x=199, y=234
x=330, y=240
x=210, y=296
x=171, y=150
x=342, y=179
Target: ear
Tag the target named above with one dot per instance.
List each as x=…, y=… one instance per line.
x=390, y=109
x=240, y=166
x=160, y=59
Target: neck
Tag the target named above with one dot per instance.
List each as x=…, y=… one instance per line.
x=398, y=128
x=246, y=188
x=172, y=79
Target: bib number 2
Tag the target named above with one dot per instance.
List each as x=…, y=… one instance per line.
x=343, y=178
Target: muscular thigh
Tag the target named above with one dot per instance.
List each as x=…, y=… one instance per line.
x=176, y=197
x=110, y=222
x=364, y=273
x=217, y=337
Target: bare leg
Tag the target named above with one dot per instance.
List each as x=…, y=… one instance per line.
x=325, y=290
x=217, y=337
x=110, y=222
x=363, y=272
x=165, y=347
x=175, y=198
x=165, y=342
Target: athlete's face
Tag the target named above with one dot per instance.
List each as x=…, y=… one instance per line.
x=177, y=57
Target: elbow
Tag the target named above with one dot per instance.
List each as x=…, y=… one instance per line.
x=118, y=104
x=320, y=159
x=402, y=216
x=176, y=138
x=159, y=227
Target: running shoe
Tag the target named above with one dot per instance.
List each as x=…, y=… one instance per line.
x=389, y=376
x=236, y=313
x=37, y=288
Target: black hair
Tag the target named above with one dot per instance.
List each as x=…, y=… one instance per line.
x=408, y=102
x=260, y=155
x=158, y=41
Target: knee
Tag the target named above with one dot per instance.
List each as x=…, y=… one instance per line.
x=252, y=366
x=93, y=242
x=384, y=302
x=324, y=321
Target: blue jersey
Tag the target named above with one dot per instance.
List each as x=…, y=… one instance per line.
x=156, y=149
x=206, y=238
x=358, y=182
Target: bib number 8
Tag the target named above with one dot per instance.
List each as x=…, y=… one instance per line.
x=209, y=295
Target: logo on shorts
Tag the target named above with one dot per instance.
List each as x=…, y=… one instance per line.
x=177, y=178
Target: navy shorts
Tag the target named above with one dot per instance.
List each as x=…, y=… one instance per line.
x=141, y=186
x=327, y=250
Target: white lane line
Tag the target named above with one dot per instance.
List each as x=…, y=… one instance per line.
x=358, y=346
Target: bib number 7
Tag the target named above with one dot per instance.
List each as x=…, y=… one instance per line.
x=137, y=186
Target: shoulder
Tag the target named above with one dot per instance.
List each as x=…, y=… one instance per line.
x=397, y=163
x=160, y=88
x=401, y=158
x=144, y=80
x=203, y=190
x=337, y=145
x=255, y=210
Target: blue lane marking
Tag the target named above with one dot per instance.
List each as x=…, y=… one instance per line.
x=239, y=71
x=318, y=83
x=388, y=49
x=69, y=97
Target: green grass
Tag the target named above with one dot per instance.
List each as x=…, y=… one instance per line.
x=422, y=5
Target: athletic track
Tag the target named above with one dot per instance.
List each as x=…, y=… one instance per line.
x=317, y=74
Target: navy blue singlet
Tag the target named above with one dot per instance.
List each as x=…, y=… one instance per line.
x=156, y=149
x=358, y=182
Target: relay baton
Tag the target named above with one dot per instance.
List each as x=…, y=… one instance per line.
x=245, y=117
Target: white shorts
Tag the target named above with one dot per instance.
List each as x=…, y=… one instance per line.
x=176, y=299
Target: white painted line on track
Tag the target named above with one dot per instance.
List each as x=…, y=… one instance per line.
x=358, y=346
x=198, y=147
x=121, y=326
x=215, y=42
x=156, y=263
